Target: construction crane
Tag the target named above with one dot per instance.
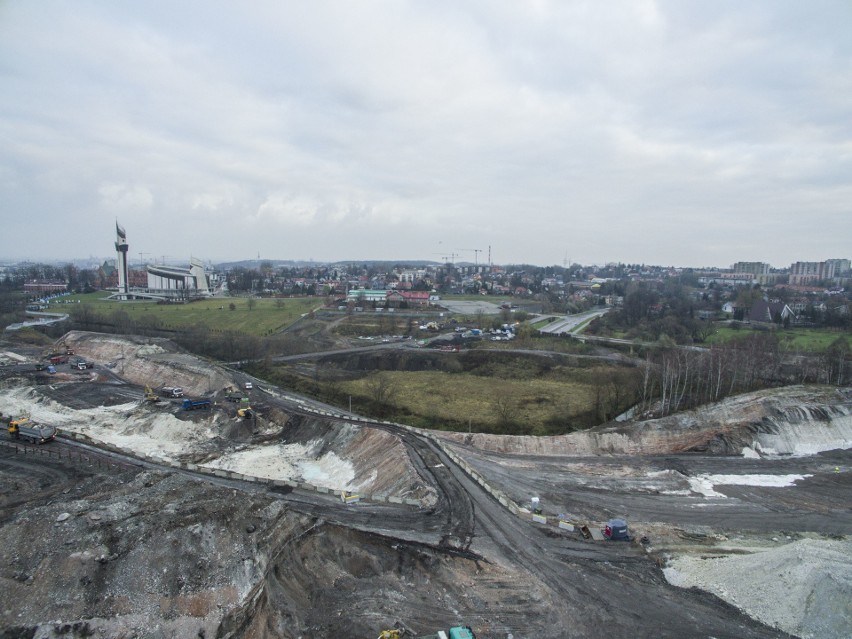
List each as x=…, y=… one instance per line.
x=451, y=258
x=476, y=253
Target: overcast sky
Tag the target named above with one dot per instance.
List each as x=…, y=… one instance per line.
x=675, y=133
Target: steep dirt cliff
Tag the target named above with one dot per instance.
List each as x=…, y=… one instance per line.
x=800, y=419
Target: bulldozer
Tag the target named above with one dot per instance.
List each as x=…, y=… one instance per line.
x=245, y=413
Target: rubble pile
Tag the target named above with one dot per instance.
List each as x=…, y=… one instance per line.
x=803, y=587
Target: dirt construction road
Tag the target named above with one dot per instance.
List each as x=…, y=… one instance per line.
x=142, y=549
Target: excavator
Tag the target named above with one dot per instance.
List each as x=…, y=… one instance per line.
x=392, y=634
x=245, y=413
x=150, y=395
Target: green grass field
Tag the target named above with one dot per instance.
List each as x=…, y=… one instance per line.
x=794, y=339
x=440, y=397
x=268, y=315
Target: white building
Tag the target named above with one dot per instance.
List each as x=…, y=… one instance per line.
x=178, y=282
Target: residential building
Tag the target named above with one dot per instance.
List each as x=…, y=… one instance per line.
x=373, y=296
x=755, y=268
x=40, y=287
x=811, y=272
x=767, y=312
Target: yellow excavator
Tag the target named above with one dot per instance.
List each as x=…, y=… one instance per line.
x=392, y=634
x=150, y=395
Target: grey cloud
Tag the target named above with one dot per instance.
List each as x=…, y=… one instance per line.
x=641, y=131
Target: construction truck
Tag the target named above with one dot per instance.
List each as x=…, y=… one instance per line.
x=348, y=497
x=171, y=391
x=24, y=428
x=196, y=404
x=235, y=396
x=456, y=632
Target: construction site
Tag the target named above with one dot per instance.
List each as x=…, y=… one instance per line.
x=178, y=497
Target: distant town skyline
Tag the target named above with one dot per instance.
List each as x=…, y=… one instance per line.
x=687, y=134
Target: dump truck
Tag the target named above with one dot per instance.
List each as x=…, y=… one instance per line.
x=235, y=396
x=171, y=391
x=24, y=428
x=196, y=404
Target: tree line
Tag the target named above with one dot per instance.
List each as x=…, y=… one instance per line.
x=676, y=378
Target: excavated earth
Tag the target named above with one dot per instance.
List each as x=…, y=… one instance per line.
x=739, y=512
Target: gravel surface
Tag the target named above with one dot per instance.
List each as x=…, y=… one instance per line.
x=803, y=587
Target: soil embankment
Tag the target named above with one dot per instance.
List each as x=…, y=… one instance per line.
x=274, y=444
x=790, y=420
x=149, y=361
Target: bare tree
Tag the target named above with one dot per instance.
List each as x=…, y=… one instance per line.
x=505, y=408
x=835, y=360
x=380, y=387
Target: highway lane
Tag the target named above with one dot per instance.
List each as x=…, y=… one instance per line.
x=569, y=323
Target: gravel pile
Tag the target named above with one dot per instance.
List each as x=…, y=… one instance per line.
x=803, y=587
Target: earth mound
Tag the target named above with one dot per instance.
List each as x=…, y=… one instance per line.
x=789, y=420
